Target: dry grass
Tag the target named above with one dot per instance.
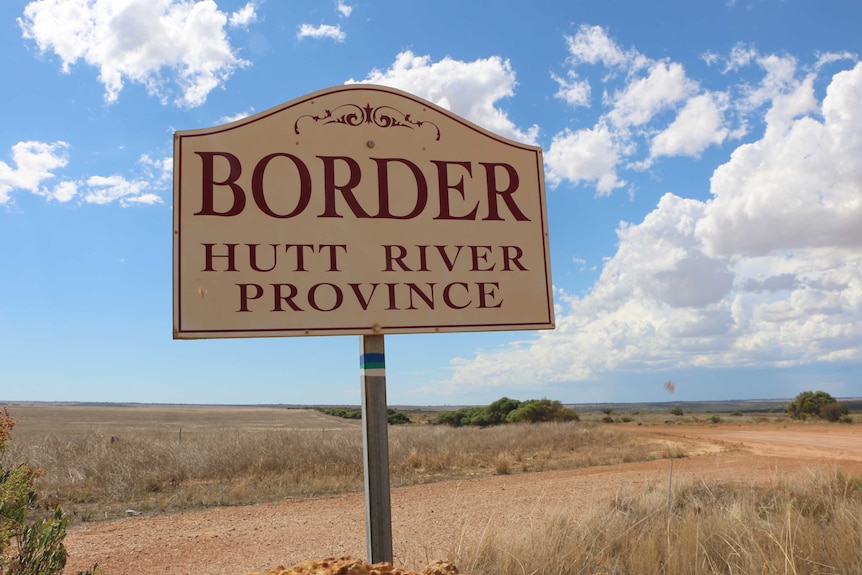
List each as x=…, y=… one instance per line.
x=808, y=526
x=173, y=458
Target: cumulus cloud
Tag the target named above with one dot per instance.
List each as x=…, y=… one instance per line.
x=108, y=189
x=592, y=45
x=586, y=155
x=698, y=125
x=33, y=163
x=767, y=272
x=573, y=90
x=344, y=9
x=64, y=192
x=800, y=186
x=243, y=17
x=653, y=109
x=36, y=165
x=158, y=171
x=154, y=43
x=321, y=31
x=154, y=174
x=473, y=90
x=665, y=85
x=638, y=92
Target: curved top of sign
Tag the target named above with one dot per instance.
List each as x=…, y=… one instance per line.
x=355, y=112
x=357, y=209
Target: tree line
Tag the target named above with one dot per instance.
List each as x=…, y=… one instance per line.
x=506, y=410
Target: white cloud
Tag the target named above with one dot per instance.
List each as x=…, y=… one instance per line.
x=470, y=89
x=638, y=93
x=586, y=155
x=780, y=78
x=244, y=16
x=34, y=162
x=698, y=125
x=592, y=45
x=344, y=9
x=741, y=56
x=766, y=273
x=798, y=187
x=109, y=189
x=322, y=31
x=157, y=171
x=653, y=109
x=665, y=85
x=235, y=117
x=149, y=42
x=573, y=91
x=64, y=192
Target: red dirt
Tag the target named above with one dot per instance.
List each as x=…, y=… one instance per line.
x=430, y=522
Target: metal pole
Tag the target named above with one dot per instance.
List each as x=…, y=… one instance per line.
x=375, y=448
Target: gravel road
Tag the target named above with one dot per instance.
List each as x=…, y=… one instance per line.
x=430, y=522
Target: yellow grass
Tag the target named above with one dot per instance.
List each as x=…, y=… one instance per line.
x=176, y=457
x=809, y=526
x=173, y=458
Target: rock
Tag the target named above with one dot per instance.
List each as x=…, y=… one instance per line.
x=351, y=566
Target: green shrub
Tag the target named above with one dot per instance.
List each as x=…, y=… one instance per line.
x=27, y=547
x=816, y=404
x=343, y=412
x=677, y=411
x=540, y=410
x=506, y=410
x=394, y=416
x=833, y=411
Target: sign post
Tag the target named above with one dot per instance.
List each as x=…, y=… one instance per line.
x=358, y=210
x=375, y=449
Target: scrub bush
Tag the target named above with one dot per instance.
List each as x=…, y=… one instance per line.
x=27, y=547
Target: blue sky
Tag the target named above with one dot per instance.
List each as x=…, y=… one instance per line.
x=704, y=192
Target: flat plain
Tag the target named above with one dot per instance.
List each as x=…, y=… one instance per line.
x=498, y=502
x=120, y=420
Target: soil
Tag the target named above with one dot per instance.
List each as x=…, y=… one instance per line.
x=433, y=521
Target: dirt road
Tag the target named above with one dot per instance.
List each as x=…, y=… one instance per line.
x=430, y=522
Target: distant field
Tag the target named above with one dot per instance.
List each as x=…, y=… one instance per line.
x=118, y=420
x=168, y=458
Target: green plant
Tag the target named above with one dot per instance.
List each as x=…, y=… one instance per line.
x=27, y=547
x=677, y=411
x=833, y=411
x=816, y=404
x=541, y=410
x=394, y=417
x=506, y=410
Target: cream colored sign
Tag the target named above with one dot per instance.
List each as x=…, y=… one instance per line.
x=357, y=210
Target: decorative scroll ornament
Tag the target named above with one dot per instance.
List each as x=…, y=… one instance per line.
x=381, y=116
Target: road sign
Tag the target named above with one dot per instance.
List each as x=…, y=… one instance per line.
x=360, y=210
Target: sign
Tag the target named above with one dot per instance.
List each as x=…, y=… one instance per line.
x=357, y=210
